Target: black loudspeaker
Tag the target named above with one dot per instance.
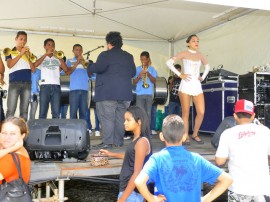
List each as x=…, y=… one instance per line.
x=228, y=122
x=57, y=139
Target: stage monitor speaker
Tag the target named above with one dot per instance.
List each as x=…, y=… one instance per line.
x=228, y=122
x=57, y=139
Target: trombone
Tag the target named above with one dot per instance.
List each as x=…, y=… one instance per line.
x=59, y=54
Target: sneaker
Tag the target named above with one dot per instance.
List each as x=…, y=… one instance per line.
x=90, y=132
x=154, y=132
x=97, y=133
x=127, y=137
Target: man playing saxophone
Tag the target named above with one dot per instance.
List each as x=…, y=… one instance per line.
x=145, y=79
x=20, y=68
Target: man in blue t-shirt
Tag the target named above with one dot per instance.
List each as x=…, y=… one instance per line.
x=79, y=78
x=145, y=80
x=177, y=173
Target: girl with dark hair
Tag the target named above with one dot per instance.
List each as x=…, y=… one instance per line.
x=137, y=153
x=191, y=84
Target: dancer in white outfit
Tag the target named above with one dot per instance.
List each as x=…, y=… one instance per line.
x=191, y=84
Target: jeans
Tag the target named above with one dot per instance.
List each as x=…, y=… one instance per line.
x=78, y=101
x=34, y=100
x=33, y=109
x=111, y=116
x=63, y=111
x=16, y=89
x=96, y=120
x=49, y=94
x=88, y=119
x=175, y=108
x=234, y=197
x=2, y=115
x=133, y=197
x=153, y=117
x=145, y=102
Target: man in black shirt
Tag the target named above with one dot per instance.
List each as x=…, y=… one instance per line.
x=174, y=104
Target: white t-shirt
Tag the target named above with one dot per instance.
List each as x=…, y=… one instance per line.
x=50, y=71
x=247, y=147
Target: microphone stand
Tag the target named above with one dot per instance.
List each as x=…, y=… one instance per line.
x=88, y=52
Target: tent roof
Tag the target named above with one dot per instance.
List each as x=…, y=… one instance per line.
x=167, y=20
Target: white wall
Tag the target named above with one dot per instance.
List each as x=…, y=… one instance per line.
x=238, y=45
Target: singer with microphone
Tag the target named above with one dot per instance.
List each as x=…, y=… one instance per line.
x=114, y=70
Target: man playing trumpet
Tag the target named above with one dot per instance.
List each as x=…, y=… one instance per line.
x=78, y=95
x=20, y=68
x=145, y=79
x=50, y=91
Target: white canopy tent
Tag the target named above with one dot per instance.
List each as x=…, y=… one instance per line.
x=234, y=33
x=144, y=24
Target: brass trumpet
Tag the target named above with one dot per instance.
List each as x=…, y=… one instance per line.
x=31, y=57
x=145, y=84
x=7, y=51
x=59, y=54
x=84, y=63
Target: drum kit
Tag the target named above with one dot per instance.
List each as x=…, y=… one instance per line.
x=160, y=91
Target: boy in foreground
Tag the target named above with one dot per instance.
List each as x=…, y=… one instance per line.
x=246, y=147
x=177, y=173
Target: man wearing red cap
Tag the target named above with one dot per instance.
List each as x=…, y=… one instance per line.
x=246, y=146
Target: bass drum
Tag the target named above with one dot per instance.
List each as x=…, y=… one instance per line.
x=64, y=82
x=160, y=91
x=65, y=89
x=91, y=94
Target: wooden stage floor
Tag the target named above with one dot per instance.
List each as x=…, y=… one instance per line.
x=42, y=171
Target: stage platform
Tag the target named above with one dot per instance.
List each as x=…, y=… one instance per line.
x=42, y=171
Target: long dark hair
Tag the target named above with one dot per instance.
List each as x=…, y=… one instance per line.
x=140, y=114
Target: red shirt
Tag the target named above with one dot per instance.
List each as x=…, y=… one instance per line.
x=9, y=171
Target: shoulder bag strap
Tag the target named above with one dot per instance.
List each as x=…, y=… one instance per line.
x=17, y=162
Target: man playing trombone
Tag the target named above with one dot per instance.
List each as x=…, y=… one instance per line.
x=50, y=91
